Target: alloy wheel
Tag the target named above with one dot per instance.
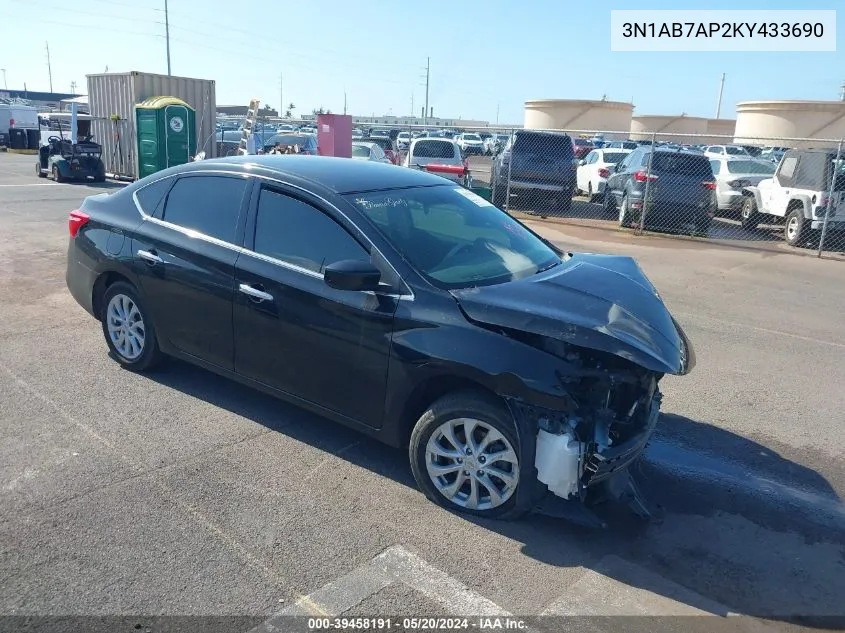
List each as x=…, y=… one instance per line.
x=792, y=228
x=125, y=326
x=472, y=464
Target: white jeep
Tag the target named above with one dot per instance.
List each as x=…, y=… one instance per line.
x=798, y=195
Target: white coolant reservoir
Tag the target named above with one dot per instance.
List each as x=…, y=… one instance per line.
x=557, y=462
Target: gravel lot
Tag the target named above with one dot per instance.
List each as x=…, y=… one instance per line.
x=180, y=493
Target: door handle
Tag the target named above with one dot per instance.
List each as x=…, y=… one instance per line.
x=150, y=257
x=255, y=293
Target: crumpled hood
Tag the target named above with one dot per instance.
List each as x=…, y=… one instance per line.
x=600, y=302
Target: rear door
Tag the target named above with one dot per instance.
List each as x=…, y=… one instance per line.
x=680, y=179
x=292, y=331
x=543, y=158
x=185, y=258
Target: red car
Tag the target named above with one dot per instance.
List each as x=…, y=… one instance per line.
x=583, y=147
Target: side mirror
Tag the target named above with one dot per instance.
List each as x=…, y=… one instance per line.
x=352, y=274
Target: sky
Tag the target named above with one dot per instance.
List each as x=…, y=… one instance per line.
x=487, y=57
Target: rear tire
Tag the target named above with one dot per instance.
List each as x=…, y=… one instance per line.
x=448, y=470
x=38, y=171
x=128, y=328
x=624, y=213
x=57, y=175
x=609, y=205
x=797, y=229
x=748, y=216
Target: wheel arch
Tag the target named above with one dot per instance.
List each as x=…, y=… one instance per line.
x=428, y=391
x=800, y=202
x=102, y=283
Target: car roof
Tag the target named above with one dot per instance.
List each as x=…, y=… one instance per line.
x=339, y=175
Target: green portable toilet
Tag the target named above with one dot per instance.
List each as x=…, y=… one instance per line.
x=166, y=130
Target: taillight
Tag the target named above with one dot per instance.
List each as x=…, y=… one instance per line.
x=642, y=176
x=709, y=184
x=604, y=173
x=76, y=220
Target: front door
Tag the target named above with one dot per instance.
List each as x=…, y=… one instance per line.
x=185, y=258
x=292, y=331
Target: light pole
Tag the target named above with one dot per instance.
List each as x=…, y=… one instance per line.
x=5, y=86
x=167, y=34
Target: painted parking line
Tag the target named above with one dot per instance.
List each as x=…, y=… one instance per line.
x=615, y=587
x=395, y=564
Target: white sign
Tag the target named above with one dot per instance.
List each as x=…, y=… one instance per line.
x=176, y=124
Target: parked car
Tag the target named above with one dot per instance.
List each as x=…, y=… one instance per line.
x=773, y=154
x=594, y=169
x=583, y=146
x=470, y=143
x=621, y=145
x=403, y=139
x=733, y=175
x=388, y=147
x=753, y=150
x=379, y=133
x=542, y=169
x=307, y=142
x=369, y=151
x=495, y=143
x=798, y=195
x=719, y=151
x=357, y=133
x=438, y=151
x=395, y=303
x=682, y=191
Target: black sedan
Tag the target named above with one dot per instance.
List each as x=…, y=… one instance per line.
x=395, y=302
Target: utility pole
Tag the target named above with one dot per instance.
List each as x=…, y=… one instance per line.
x=73, y=88
x=721, y=91
x=497, y=114
x=412, y=103
x=427, y=77
x=344, y=102
x=167, y=34
x=5, y=85
x=282, y=108
x=49, y=68
x=841, y=94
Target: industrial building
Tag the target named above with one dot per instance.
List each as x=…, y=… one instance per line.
x=789, y=119
x=43, y=101
x=692, y=129
x=579, y=114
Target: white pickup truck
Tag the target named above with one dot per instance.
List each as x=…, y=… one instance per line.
x=798, y=195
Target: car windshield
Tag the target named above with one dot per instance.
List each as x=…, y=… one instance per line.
x=558, y=145
x=472, y=137
x=403, y=135
x=434, y=149
x=735, y=151
x=287, y=139
x=582, y=141
x=382, y=133
x=360, y=151
x=749, y=167
x=455, y=238
x=614, y=157
x=681, y=164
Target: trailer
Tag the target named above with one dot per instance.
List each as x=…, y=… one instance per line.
x=112, y=101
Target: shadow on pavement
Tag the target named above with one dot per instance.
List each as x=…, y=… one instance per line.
x=743, y=526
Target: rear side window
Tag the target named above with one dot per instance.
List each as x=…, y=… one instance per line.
x=360, y=151
x=434, y=149
x=207, y=204
x=295, y=232
x=681, y=165
x=151, y=196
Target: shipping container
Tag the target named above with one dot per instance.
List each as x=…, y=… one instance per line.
x=112, y=98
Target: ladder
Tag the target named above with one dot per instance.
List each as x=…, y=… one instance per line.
x=249, y=123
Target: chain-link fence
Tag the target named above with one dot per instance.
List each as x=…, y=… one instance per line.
x=780, y=193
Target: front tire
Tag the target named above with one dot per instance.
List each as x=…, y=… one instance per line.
x=128, y=328
x=749, y=216
x=624, y=213
x=591, y=195
x=463, y=453
x=38, y=171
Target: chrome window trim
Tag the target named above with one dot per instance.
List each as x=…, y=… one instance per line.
x=409, y=296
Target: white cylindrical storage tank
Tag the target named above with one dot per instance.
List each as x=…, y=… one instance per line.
x=579, y=114
x=720, y=132
x=789, y=119
x=643, y=126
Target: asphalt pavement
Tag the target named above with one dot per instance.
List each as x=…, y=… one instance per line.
x=179, y=493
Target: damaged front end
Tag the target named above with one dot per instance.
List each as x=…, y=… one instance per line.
x=584, y=447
